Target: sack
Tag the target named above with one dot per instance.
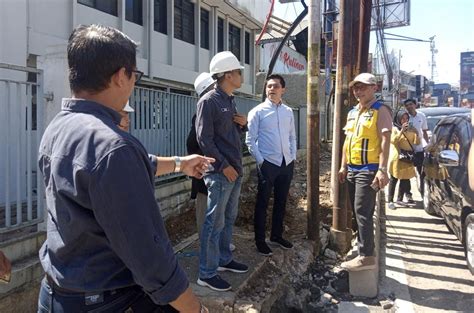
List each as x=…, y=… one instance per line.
x=406, y=156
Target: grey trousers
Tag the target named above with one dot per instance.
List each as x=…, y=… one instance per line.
x=363, y=197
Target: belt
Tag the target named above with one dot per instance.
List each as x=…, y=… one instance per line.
x=57, y=288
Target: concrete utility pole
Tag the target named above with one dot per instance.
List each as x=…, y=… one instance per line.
x=352, y=59
x=313, y=147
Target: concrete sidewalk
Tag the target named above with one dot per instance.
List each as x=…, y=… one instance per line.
x=422, y=264
x=425, y=264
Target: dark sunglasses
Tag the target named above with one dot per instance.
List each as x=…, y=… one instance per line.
x=138, y=75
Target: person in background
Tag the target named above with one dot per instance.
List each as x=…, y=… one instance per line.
x=419, y=122
x=364, y=163
x=107, y=249
x=403, y=137
x=125, y=120
x=219, y=128
x=271, y=140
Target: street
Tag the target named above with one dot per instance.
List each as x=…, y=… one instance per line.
x=425, y=264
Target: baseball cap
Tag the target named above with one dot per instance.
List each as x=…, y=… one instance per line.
x=127, y=108
x=364, y=78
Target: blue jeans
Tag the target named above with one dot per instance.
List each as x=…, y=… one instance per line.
x=221, y=212
x=131, y=299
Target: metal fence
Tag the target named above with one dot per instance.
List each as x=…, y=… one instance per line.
x=21, y=107
x=162, y=120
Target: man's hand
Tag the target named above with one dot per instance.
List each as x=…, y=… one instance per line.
x=240, y=119
x=5, y=268
x=230, y=173
x=196, y=165
x=341, y=175
x=380, y=179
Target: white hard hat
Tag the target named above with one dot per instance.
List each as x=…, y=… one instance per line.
x=127, y=108
x=202, y=82
x=224, y=61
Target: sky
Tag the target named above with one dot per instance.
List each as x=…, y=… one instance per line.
x=451, y=21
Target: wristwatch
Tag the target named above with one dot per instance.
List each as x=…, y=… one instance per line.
x=177, y=164
x=383, y=169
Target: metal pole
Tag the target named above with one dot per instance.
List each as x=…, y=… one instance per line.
x=340, y=234
x=364, y=35
x=313, y=148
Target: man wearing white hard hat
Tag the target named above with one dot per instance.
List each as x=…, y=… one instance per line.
x=219, y=129
x=125, y=120
x=364, y=163
x=203, y=84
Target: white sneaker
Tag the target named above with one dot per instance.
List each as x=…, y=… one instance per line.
x=232, y=247
x=392, y=206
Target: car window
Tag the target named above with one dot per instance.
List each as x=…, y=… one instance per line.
x=455, y=141
x=463, y=131
x=432, y=121
x=442, y=134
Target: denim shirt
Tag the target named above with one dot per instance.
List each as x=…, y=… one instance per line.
x=217, y=134
x=271, y=134
x=104, y=227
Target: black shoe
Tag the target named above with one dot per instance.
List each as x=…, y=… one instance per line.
x=263, y=248
x=410, y=199
x=215, y=283
x=233, y=266
x=285, y=244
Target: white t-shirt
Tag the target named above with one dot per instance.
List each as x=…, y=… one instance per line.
x=420, y=123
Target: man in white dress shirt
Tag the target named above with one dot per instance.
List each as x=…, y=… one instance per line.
x=419, y=122
x=271, y=139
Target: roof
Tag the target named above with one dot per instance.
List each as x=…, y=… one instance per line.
x=452, y=118
x=437, y=111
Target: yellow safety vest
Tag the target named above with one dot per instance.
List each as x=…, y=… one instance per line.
x=363, y=141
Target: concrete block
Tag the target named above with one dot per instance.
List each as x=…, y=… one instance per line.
x=364, y=283
x=24, y=273
x=23, y=246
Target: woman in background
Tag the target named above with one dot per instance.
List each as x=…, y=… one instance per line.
x=403, y=137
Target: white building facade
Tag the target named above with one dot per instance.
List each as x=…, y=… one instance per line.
x=177, y=39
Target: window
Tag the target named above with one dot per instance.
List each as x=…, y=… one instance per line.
x=204, y=29
x=220, y=35
x=184, y=20
x=234, y=40
x=442, y=136
x=247, y=48
x=133, y=11
x=160, y=16
x=107, y=6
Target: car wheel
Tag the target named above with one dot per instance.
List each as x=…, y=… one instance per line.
x=427, y=204
x=469, y=241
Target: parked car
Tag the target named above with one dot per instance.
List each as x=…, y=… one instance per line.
x=433, y=115
x=446, y=188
